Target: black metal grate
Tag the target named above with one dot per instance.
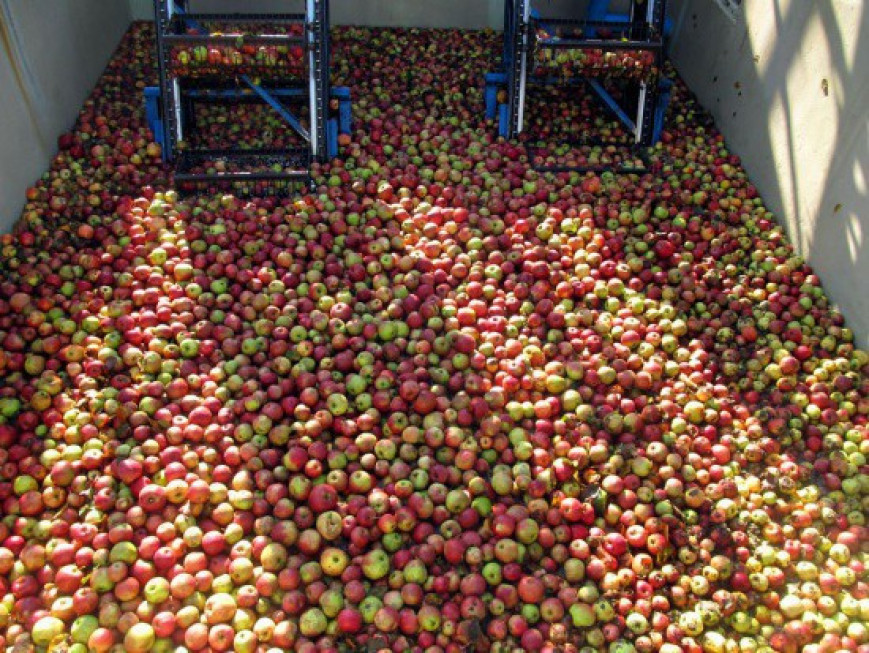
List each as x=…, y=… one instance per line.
x=236, y=165
x=264, y=172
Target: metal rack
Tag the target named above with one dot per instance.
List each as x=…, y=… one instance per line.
x=169, y=106
x=641, y=29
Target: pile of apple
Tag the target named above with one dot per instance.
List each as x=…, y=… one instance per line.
x=445, y=403
x=109, y=153
x=218, y=58
x=571, y=63
x=244, y=126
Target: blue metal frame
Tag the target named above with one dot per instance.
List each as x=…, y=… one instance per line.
x=646, y=21
x=267, y=97
x=167, y=106
x=664, y=89
x=345, y=108
x=193, y=23
x=493, y=82
x=152, y=115
x=238, y=93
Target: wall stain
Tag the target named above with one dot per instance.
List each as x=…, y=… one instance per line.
x=18, y=73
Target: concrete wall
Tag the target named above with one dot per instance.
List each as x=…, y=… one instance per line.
x=787, y=84
x=51, y=54
x=467, y=14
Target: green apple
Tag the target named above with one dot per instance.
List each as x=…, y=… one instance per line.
x=156, y=590
x=492, y=573
x=313, y=622
x=23, y=484
x=332, y=602
x=189, y=347
x=527, y=531
x=386, y=331
x=582, y=615
x=415, y=571
x=337, y=404
x=82, y=628
x=368, y=607
x=356, y=384
x=457, y=500
x=429, y=618
x=45, y=630
x=157, y=256
x=603, y=610
x=244, y=642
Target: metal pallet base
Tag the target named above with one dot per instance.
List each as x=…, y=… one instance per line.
x=290, y=166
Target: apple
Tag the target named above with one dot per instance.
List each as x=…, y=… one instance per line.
x=312, y=622
x=220, y=607
x=375, y=564
x=139, y=638
x=349, y=621
x=334, y=561
x=46, y=629
x=156, y=590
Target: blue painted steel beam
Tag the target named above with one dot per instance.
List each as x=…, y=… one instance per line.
x=152, y=116
x=611, y=103
x=555, y=80
x=504, y=120
x=598, y=9
x=664, y=89
x=345, y=108
x=493, y=82
x=332, y=138
x=275, y=104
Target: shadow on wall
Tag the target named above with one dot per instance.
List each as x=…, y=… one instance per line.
x=836, y=233
x=834, y=243
x=25, y=85
x=842, y=226
x=788, y=87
